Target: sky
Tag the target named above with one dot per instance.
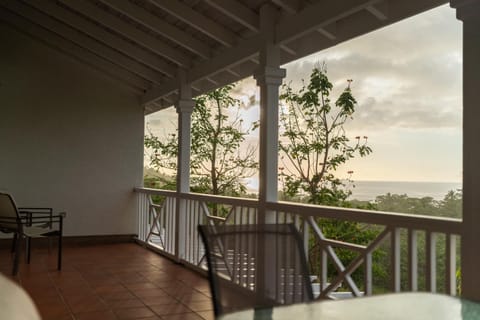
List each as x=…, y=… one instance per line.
x=407, y=80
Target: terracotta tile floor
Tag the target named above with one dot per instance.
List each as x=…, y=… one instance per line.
x=118, y=281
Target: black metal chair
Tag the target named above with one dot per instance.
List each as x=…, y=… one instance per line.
x=29, y=223
x=255, y=266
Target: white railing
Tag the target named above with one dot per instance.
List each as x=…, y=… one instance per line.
x=162, y=227
x=168, y=223
x=398, y=234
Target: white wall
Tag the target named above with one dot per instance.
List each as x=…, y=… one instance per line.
x=70, y=137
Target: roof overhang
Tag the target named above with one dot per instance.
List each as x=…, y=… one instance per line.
x=144, y=43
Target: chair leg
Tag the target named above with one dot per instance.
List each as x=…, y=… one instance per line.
x=29, y=246
x=14, y=242
x=17, y=257
x=60, y=236
x=59, y=262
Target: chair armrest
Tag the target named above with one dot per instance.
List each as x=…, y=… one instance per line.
x=33, y=214
x=45, y=219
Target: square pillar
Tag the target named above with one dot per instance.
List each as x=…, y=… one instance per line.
x=469, y=12
x=184, y=108
x=269, y=77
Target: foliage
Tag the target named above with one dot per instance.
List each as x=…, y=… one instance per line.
x=313, y=146
x=313, y=142
x=217, y=164
x=449, y=206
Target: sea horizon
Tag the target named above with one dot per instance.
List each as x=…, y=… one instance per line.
x=368, y=190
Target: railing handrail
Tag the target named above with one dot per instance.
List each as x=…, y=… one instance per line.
x=236, y=201
x=399, y=220
x=158, y=192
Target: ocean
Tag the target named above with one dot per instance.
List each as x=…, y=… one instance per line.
x=369, y=190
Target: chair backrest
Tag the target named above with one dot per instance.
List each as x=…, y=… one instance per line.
x=9, y=218
x=255, y=266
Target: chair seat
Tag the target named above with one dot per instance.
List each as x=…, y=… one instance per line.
x=36, y=231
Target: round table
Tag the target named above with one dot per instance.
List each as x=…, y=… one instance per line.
x=400, y=306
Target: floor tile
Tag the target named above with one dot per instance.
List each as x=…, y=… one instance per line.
x=96, y=315
x=183, y=316
x=170, y=309
x=206, y=315
x=120, y=281
x=133, y=313
x=200, y=305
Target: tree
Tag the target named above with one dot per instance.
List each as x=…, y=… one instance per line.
x=218, y=165
x=313, y=145
x=313, y=141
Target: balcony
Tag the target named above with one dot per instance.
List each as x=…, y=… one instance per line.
x=77, y=80
x=127, y=281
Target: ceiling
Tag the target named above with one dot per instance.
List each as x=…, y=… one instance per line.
x=144, y=43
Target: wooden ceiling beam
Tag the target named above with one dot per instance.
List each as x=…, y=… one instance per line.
x=127, y=30
x=132, y=81
x=109, y=39
x=290, y=6
x=238, y=12
x=380, y=10
x=161, y=27
x=317, y=16
x=82, y=40
x=197, y=21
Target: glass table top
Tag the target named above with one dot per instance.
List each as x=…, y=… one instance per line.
x=401, y=306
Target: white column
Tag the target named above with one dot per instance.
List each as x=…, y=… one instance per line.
x=269, y=77
x=184, y=107
x=469, y=12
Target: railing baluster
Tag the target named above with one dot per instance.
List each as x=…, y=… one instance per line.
x=431, y=262
x=368, y=274
x=324, y=269
x=197, y=243
x=412, y=260
x=395, y=263
x=450, y=264
x=172, y=228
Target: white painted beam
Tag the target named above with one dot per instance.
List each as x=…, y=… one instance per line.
x=104, y=36
x=157, y=92
x=82, y=40
x=317, y=16
x=197, y=21
x=158, y=25
x=238, y=12
x=380, y=10
x=131, y=81
x=290, y=6
x=127, y=30
x=228, y=58
x=287, y=49
x=328, y=31
x=233, y=73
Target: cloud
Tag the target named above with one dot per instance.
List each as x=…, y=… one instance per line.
x=404, y=76
x=407, y=75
